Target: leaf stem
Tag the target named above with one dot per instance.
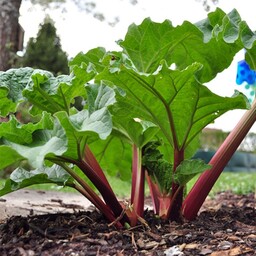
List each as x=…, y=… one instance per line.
x=205, y=182
x=177, y=191
x=87, y=191
x=104, y=189
x=138, y=183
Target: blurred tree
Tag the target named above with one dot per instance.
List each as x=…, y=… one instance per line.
x=10, y=32
x=208, y=3
x=45, y=51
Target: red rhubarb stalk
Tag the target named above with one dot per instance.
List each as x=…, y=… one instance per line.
x=204, y=184
x=138, y=181
x=176, y=205
x=154, y=192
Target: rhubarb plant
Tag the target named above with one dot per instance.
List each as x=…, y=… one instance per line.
x=142, y=111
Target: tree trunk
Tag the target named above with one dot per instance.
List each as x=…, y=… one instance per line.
x=9, y=32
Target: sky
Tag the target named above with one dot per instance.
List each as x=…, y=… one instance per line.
x=79, y=31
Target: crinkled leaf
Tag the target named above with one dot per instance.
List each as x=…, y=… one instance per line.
x=21, y=178
x=158, y=168
x=126, y=132
x=45, y=143
x=92, y=60
x=23, y=133
x=48, y=93
x=12, y=83
x=128, y=127
x=41, y=88
x=147, y=44
x=15, y=80
x=6, y=104
x=99, y=122
x=82, y=127
x=99, y=96
x=8, y=156
x=188, y=169
x=85, y=126
x=204, y=42
x=115, y=154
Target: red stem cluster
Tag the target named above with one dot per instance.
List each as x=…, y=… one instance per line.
x=204, y=184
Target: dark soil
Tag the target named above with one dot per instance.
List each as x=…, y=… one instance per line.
x=226, y=226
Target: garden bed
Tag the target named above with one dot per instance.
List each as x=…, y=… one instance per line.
x=226, y=226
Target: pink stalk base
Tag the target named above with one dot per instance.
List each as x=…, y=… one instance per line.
x=154, y=193
x=177, y=191
x=164, y=205
x=138, y=184
x=204, y=184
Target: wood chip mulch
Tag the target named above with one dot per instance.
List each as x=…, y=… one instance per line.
x=226, y=226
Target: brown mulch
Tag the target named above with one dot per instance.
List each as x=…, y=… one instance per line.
x=226, y=226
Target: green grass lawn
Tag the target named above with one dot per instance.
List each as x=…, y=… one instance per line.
x=240, y=183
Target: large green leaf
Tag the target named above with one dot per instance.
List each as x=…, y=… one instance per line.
x=15, y=80
x=14, y=134
x=129, y=128
x=99, y=97
x=91, y=61
x=44, y=91
x=147, y=44
x=114, y=155
x=45, y=143
x=21, y=178
x=68, y=134
x=82, y=127
x=8, y=156
x=12, y=83
x=204, y=42
x=174, y=100
x=89, y=124
x=6, y=104
x=49, y=93
x=23, y=133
